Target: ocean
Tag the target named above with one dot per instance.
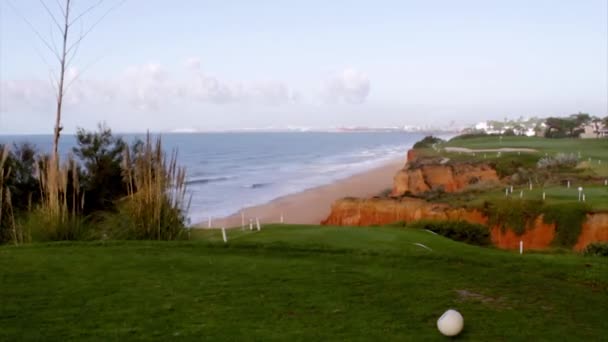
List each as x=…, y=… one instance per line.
x=230, y=171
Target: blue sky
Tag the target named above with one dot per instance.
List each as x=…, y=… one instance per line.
x=164, y=65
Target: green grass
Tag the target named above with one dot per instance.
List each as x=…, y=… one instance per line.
x=596, y=196
x=596, y=149
x=300, y=283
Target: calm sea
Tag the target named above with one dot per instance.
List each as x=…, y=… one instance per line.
x=229, y=171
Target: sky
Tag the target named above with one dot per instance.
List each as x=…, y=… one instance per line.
x=206, y=65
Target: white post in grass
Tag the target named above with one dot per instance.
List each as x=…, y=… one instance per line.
x=521, y=194
x=224, y=235
x=209, y=222
x=568, y=184
x=584, y=197
x=242, y=221
x=521, y=247
x=580, y=193
x=605, y=182
x=257, y=223
x=530, y=186
x=511, y=189
x=250, y=224
x=506, y=192
x=544, y=196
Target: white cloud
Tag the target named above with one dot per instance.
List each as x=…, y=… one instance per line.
x=146, y=87
x=193, y=63
x=349, y=86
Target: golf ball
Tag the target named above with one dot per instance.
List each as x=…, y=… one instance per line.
x=450, y=323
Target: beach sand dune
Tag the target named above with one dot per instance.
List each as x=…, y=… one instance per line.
x=313, y=205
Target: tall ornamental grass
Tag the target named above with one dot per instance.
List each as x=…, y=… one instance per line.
x=156, y=205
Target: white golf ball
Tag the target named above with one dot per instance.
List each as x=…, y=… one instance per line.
x=450, y=323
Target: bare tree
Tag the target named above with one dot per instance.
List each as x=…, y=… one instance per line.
x=68, y=50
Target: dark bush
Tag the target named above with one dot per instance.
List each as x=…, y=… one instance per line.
x=22, y=182
x=597, y=249
x=463, y=231
x=512, y=213
x=427, y=142
x=101, y=156
x=568, y=219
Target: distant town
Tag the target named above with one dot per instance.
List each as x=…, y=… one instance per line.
x=576, y=125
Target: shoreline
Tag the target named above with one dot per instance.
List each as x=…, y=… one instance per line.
x=313, y=205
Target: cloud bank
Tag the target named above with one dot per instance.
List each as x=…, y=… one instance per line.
x=148, y=87
x=348, y=86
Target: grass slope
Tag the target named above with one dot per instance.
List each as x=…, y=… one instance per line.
x=298, y=283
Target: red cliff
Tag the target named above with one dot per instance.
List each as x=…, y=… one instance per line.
x=420, y=176
x=418, y=179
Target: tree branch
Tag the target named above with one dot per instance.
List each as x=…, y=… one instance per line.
x=85, y=12
x=95, y=24
x=48, y=11
x=44, y=41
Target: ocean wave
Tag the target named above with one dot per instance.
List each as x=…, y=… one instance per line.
x=259, y=185
x=207, y=180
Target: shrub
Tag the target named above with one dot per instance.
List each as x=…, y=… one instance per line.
x=101, y=155
x=427, y=142
x=560, y=160
x=58, y=217
x=568, y=219
x=463, y=231
x=155, y=207
x=512, y=213
x=22, y=181
x=597, y=249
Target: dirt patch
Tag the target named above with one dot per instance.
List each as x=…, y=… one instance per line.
x=470, y=296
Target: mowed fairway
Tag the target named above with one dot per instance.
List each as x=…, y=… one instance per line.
x=298, y=283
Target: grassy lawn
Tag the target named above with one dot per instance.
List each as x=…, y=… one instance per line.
x=596, y=196
x=302, y=283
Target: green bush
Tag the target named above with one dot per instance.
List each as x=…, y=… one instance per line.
x=463, y=231
x=101, y=156
x=512, y=213
x=568, y=219
x=427, y=142
x=597, y=249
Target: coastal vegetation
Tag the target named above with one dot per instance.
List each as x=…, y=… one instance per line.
x=560, y=181
x=105, y=189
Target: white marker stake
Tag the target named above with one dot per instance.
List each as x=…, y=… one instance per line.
x=544, y=196
x=521, y=194
x=583, y=197
x=580, y=193
x=511, y=189
x=257, y=223
x=521, y=247
x=605, y=182
x=209, y=222
x=568, y=184
x=530, y=186
x=224, y=235
x=250, y=224
x=507, y=192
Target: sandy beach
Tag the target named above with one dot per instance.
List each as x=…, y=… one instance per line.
x=313, y=205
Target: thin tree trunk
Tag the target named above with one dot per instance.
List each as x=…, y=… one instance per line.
x=60, y=87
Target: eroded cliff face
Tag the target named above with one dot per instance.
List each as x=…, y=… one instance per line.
x=449, y=177
x=380, y=211
x=422, y=176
